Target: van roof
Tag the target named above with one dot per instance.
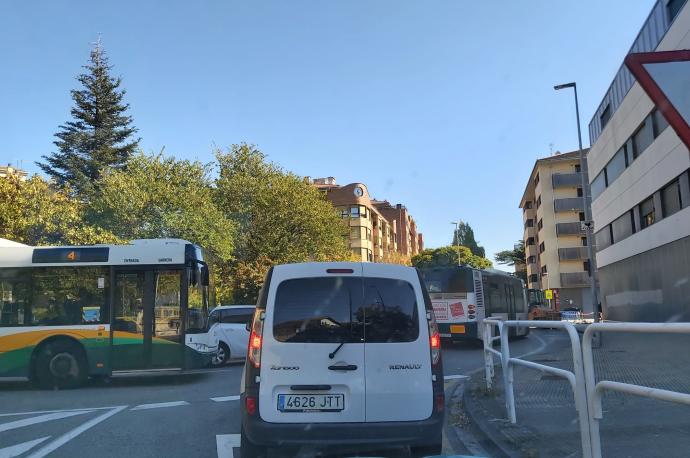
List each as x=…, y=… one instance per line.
x=372, y=267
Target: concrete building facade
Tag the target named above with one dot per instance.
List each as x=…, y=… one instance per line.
x=638, y=169
x=8, y=170
x=555, y=244
x=378, y=230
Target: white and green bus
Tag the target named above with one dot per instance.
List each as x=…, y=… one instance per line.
x=462, y=297
x=67, y=313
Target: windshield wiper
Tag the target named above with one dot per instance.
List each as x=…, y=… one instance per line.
x=332, y=354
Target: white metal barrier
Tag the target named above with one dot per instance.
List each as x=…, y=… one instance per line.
x=576, y=378
x=596, y=390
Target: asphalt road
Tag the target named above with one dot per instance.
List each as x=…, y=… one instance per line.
x=151, y=416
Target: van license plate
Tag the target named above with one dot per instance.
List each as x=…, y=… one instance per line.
x=311, y=402
x=457, y=329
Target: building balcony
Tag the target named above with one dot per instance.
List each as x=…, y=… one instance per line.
x=574, y=279
x=530, y=231
x=569, y=228
x=568, y=204
x=576, y=253
x=530, y=250
x=566, y=180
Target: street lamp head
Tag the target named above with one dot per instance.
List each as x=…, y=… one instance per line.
x=564, y=86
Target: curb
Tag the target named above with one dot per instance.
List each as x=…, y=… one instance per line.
x=487, y=431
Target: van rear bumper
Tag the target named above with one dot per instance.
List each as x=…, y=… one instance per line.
x=424, y=432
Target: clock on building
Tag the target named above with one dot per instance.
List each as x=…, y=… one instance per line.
x=359, y=192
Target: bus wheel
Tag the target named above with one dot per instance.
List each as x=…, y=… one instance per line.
x=61, y=364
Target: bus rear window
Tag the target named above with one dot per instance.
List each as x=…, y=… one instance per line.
x=316, y=310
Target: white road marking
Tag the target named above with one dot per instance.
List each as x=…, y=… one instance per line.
x=46, y=449
x=16, y=450
x=454, y=377
x=226, y=398
x=225, y=443
x=36, y=412
x=159, y=405
x=39, y=419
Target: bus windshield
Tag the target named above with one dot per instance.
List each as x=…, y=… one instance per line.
x=444, y=280
x=200, y=296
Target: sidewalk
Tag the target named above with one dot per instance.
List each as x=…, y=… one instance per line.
x=547, y=424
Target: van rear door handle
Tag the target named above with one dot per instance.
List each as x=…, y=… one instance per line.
x=347, y=367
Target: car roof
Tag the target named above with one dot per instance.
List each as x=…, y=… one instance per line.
x=234, y=306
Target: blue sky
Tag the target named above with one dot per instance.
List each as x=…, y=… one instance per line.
x=442, y=106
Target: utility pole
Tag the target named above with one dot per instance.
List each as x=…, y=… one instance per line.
x=587, y=200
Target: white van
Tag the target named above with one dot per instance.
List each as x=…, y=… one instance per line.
x=229, y=324
x=343, y=354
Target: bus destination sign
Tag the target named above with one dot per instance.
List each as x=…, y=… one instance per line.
x=69, y=255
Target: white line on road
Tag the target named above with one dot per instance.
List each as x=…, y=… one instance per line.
x=36, y=412
x=68, y=436
x=225, y=443
x=454, y=377
x=40, y=419
x=159, y=405
x=18, y=449
x=225, y=398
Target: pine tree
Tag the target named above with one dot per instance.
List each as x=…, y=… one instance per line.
x=464, y=235
x=99, y=136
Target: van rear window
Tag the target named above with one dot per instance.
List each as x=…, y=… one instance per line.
x=317, y=310
x=389, y=311
x=335, y=309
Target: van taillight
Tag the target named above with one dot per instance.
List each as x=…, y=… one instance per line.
x=255, y=339
x=250, y=405
x=434, y=341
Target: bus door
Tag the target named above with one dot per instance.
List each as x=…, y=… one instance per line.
x=146, y=329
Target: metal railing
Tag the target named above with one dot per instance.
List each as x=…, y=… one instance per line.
x=572, y=228
x=571, y=180
x=587, y=392
x=576, y=378
x=574, y=279
x=595, y=390
x=572, y=253
x=568, y=204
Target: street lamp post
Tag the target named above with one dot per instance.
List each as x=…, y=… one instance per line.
x=586, y=197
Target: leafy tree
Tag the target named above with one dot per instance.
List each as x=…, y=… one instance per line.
x=33, y=213
x=464, y=236
x=161, y=197
x=99, y=137
x=279, y=217
x=516, y=256
x=449, y=256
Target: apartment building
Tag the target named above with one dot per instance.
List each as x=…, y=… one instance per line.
x=378, y=230
x=638, y=169
x=555, y=244
x=8, y=170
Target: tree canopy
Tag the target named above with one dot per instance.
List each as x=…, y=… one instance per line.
x=512, y=257
x=100, y=135
x=449, y=256
x=464, y=236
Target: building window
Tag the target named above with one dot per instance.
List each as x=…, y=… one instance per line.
x=542, y=247
x=623, y=227
x=540, y=224
x=673, y=8
x=647, y=213
x=577, y=168
x=354, y=211
x=616, y=165
x=579, y=192
x=586, y=267
x=670, y=199
x=536, y=179
x=581, y=216
x=368, y=234
x=599, y=184
x=534, y=278
x=528, y=205
x=660, y=123
x=605, y=116
x=643, y=137
x=543, y=270
x=583, y=241
x=529, y=223
x=538, y=201
x=530, y=240
x=532, y=260
x=603, y=238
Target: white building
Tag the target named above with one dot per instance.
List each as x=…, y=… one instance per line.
x=638, y=170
